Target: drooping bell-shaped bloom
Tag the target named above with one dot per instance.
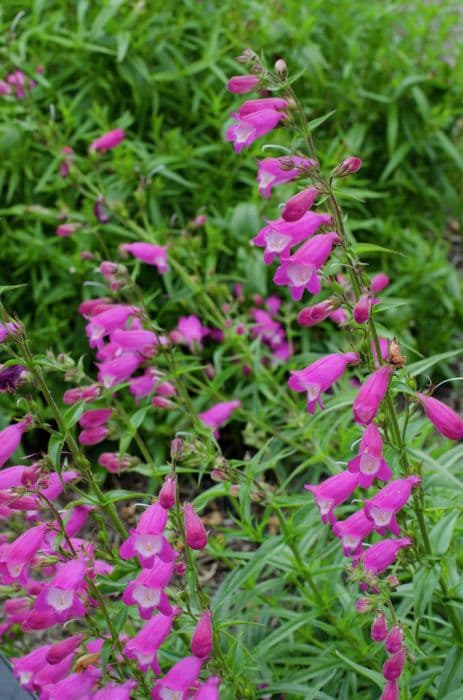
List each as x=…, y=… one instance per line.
x=66, y=230
x=26, y=667
x=252, y=126
x=209, y=690
x=394, y=666
x=218, y=414
x=241, y=84
x=179, y=680
x=261, y=104
x=277, y=171
x=316, y=313
x=379, y=556
x=202, y=640
x=148, y=253
x=299, y=204
x=382, y=508
x=119, y=370
x=77, y=519
x=144, y=646
x=362, y=309
x=141, y=341
x=58, y=651
x=93, y=436
x=384, y=350
x=147, y=589
x=190, y=331
x=10, y=438
x=300, y=270
x=378, y=630
x=10, y=377
x=371, y=394
x=76, y=686
x=349, y=166
x=369, y=463
x=378, y=283
x=15, y=557
x=108, y=320
x=195, y=532
x=391, y=691
x=81, y=393
x=332, y=492
x=147, y=541
x=394, y=640
x=116, y=691
x=320, y=376
x=115, y=464
x=60, y=594
x=108, y=141
x=441, y=416
x=339, y=316
x=168, y=492
x=279, y=236
x=352, y=531
x=95, y=417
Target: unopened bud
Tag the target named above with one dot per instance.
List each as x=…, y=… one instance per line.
x=349, y=166
x=281, y=68
x=176, y=448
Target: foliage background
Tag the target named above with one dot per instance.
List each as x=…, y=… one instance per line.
x=392, y=71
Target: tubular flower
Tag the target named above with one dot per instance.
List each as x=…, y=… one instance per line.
x=60, y=594
x=352, y=531
x=370, y=463
x=195, y=532
x=10, y=438
x=115, y=691
x=201, y=642
x=391, y=691
x=332, y=492
x=147, y=590
x=218, y=414
x=362, y=309
x=108, y=141
x=394, y=640
x=382, y=508
x=394, y=666
x=441, y=416
x=179, y=680
x=209, y=690
x=378, y=283
x=148, y=253
x=279, y=236
x=320, y=376
x=15, y=557
x=379, y=556
x=371, y=394
x=277, y=171
x=241, y=84
x=298, y=205
x=300, y=270
x=147, y=541
x=379, y=629
x=250, y=126
x=168, y=491
x=316, y=313
x=144, y=646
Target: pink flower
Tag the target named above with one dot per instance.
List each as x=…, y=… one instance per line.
x=320, y=376
x=15, y=557
x=316, y=313
x=260, y=105
x=332, y=492
x=81, y=393
x=147, y=589
x=218, y=414
x=391, y=691
x=119, y=370
x=108, y=141
x=352, y=531
x=378, y=283
x=394, y=640
x=240, y=84
x=379, y=556
x=379, y=629
x=277, y=171
x=66, y=163
x=382, y=508
x=370, y=463
x=141, y=341
x=10, y=438
x=76, y=686
x=95, y=417
x=147, y=541
x=190, y=331
x=349, y=166
x=441, y=416
x=202, y=640
x=209, y=690
x=108, y=320
x=144, y=646
x=5, y=89
x=362, y=309
x=195, y=532
x=299, y=204
x=115, y=464
x=148, y=253
x=115, y=691
x=93, y=436
x=26, y=667
x=371, y=394
x=60, y=594
x=179, y=680
x=394, y=666
x=300, y=270
x=58, y=651
x=363, y=605
x=279, y=236
x=251, y=127
x=65, y=230
x=384, y=350
x=168, y=492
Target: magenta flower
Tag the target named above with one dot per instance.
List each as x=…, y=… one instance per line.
x=60, y=594
x=299, y=204
x=195, y=532
x=253, y=126
x=260, y=105
x=379, y=556
x=15, y=557
x=147, y=541
x=370, y=463
x=352, y=531
x=332, y=492
x=391, y=691
x=10, y=438
x=115, y=691
x=144, y=646
x=65, y=230
x=10, y=377
x=76, y=686
x=148, y=253
x=209, y=690
x=378, y=283
x=190, y=331
x=218, y=414
x=240, y=84
x=179, y=680
x=93, y=436
x=320, y=376
x=378, y=631
x=362, y=309
x=141, y=341
x=300, y=270
x=441, y=416
x=109, y=320
x=66, y=163
x=382, y=508
x=57, y=652
x=81, y=393
x=279, y=236
x=27, y=666
x=316, y=313
x=371, y=394
x=95, y=417
x=118, y=370
x=349, y=166
x=394, y=666
x=147, y=589
x=168, y=492
x=394, y=640
x=115, y=464
x=277, y=171
x=202, y=640
x=108, y=141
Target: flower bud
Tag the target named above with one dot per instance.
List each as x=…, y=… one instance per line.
x=168, y=492
x=442, y=417
x=298, y=205
x=176, y=448
x=281, y=68
x=195, y=532
x=201, y=642
x=394, y=666
x=394, y=640
x=379, y=282
x=349, y=166
x=316, y=313
x=379, y=629
x=362, y=309
x=363, y=605
x=391, y=691
x=241, y=84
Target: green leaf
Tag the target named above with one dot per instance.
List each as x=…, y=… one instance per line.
x=315, y=123
x=442, y=532
x=423, y=365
